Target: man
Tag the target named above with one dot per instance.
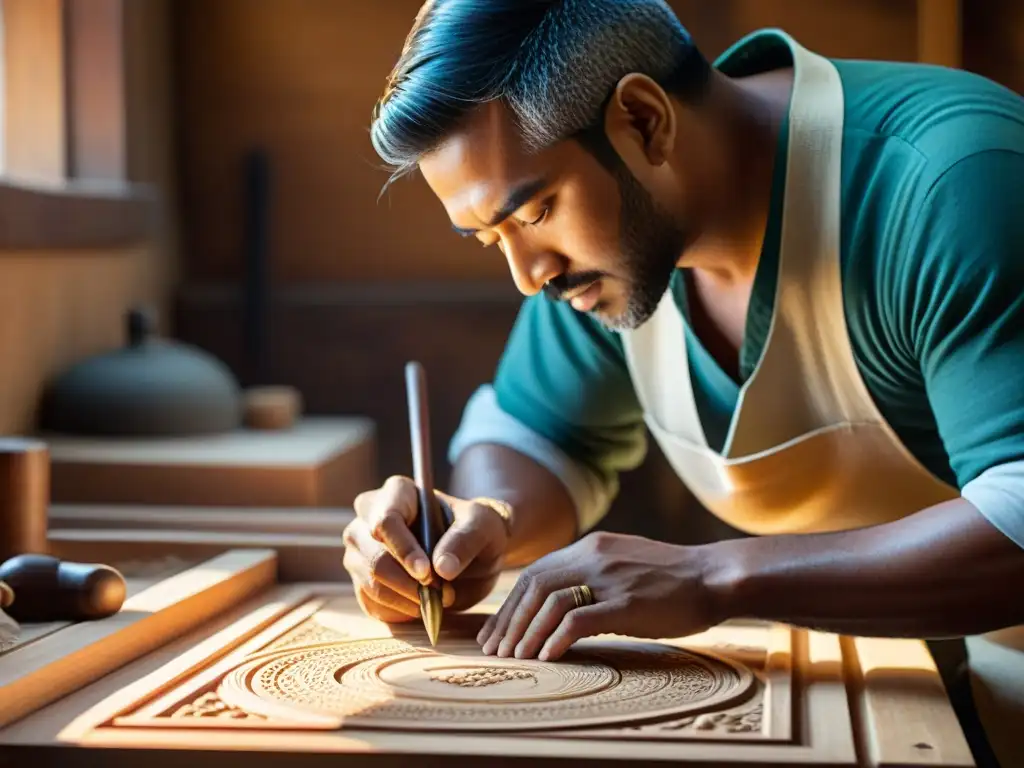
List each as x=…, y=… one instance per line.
x=802, y=276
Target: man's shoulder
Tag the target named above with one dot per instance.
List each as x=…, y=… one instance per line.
x=914, y=137
x=547, y=329
x=938, y=113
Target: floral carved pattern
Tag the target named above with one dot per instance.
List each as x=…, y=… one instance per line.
x=211, y=705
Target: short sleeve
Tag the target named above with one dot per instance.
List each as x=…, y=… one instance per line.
x=969, y=313
x=562, y=394
x=565, y=376
x=968, y=322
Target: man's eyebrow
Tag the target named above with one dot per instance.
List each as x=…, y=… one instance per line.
x=520, y=196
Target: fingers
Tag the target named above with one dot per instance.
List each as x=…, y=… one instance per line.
x=577, y=624
x=376, y=610
x=383, y=588
x=522, y=604
x=529, y=640
x=377, y=598
x=388, y=512
x=371, y=561
x=469, y=535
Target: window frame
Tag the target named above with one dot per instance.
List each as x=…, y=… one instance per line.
x=64, y=180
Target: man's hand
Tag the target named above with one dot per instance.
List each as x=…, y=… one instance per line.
x=641, y=588
x=386, y=563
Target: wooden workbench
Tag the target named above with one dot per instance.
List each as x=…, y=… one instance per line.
x=220, y=662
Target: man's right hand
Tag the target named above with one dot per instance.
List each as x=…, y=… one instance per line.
x=386, y=563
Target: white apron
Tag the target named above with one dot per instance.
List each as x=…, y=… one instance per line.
x=807, y=450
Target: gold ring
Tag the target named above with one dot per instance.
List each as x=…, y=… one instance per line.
x=582, y=596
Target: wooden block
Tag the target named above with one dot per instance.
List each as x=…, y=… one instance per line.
x=906, y=713
x=326, y=521
x=300, y=556
x=57, y=663
x=321, y=462
x=303, y=675
x=308, y=541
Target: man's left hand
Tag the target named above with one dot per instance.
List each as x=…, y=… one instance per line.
x=641, y=588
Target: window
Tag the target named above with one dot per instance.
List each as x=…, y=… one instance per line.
x=63, y=181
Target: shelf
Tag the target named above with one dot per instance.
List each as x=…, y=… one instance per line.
x=75, y=216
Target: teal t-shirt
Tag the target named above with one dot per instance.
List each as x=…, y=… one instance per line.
x=932, y=268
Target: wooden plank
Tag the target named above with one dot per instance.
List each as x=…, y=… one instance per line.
x=58, y=664
x=939, y=32
x=137, y=579
x=780, y=688
x=906, y=712
x=297, y=520
x=322, y=461
x=75, y=216
x=300, y=557
x=824, y=709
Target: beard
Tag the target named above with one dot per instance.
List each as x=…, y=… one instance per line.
x=650, y=243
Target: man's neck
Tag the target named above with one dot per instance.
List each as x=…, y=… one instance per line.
x=748, y=114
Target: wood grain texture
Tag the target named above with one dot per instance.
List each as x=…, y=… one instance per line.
x=940, y=32
x=319, y=462
x=53, y=666
x=75, y=217
x=906, y=714
x=300, y=556
x=323, y=521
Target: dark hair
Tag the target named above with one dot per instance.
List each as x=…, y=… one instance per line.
x=554, y=63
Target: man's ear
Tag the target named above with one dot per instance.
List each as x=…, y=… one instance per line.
x=640, y=121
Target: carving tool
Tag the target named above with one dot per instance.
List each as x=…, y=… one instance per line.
x=44, y=588
x=9, y=629
x=430, y=522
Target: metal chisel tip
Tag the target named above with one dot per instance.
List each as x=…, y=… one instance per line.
x=431, y=608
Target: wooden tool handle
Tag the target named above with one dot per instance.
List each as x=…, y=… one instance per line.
x=48, y=589
x=429, y=523
x=24, y=496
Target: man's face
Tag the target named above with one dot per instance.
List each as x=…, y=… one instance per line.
x=565, y=224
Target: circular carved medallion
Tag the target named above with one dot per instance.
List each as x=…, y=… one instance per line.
x=389, y=683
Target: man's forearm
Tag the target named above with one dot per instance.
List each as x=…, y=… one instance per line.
x=544, y=517
x=944, y=571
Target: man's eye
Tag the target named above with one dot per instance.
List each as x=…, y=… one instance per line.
x=539, y=219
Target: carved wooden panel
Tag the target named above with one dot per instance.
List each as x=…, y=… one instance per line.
x=305, y=672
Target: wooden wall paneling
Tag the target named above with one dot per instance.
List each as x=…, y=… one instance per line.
x=299, y=79
x=939, y=38
x=45, y=218
x=993, y=41
x=865, y=29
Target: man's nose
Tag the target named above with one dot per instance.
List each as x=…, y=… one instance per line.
x=532, y=268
